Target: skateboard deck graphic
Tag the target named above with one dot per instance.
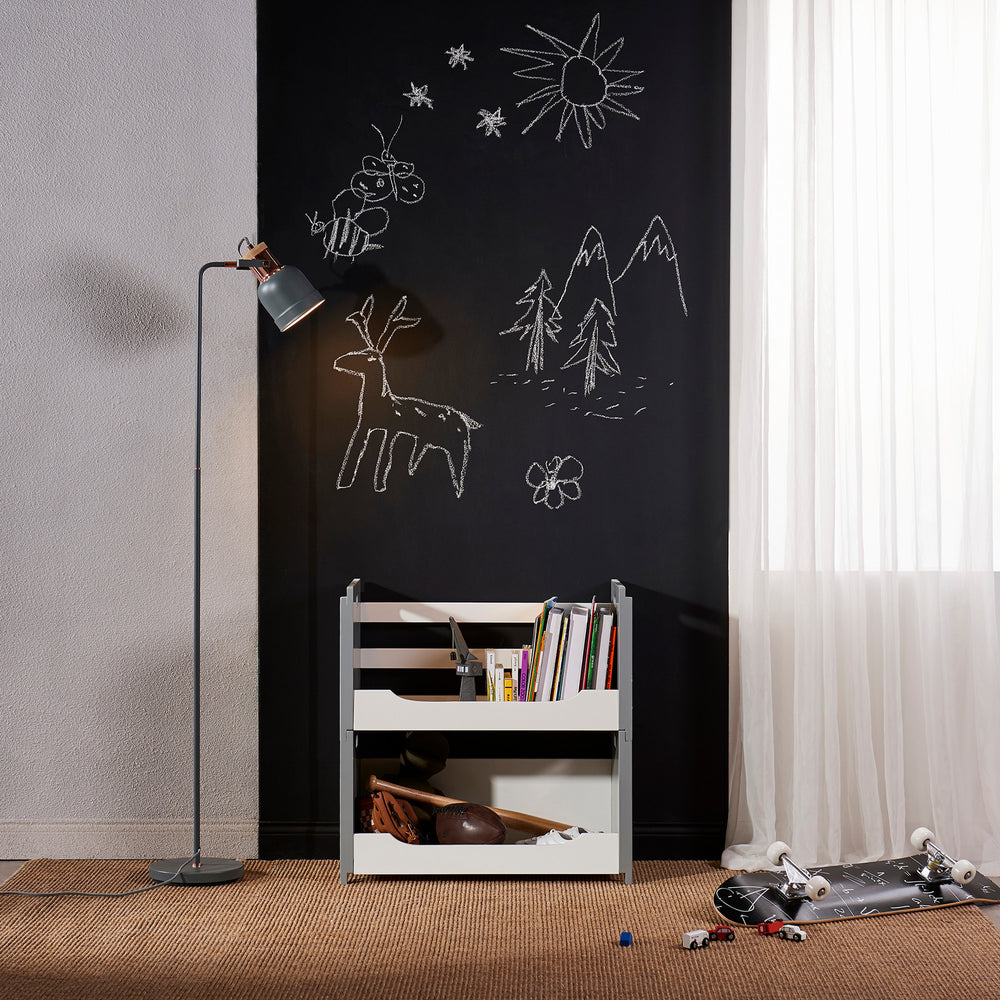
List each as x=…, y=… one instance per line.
x=856, y=890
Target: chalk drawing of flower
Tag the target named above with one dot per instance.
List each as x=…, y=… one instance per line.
x=555, y=482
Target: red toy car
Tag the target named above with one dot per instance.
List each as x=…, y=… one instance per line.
x=722, y=934
x=770, y=927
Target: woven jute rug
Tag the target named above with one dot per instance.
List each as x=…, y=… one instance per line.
x=290, y=930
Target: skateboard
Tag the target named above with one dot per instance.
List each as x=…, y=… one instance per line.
x=798, y=895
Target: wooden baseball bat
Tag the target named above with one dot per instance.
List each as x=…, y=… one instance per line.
x=519, y=821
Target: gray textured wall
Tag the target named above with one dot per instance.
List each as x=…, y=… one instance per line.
x=129, y=149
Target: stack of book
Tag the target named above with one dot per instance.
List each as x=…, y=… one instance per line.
x=572, y=650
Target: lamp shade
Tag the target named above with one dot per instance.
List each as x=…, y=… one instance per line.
x=288, y=295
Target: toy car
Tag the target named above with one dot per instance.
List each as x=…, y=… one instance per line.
x=721, y=933
x=770, y=927
x=792, y=932
x=695, y=939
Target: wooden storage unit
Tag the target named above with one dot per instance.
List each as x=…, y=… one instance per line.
x=593, y=793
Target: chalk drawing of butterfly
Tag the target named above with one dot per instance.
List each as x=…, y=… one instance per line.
x=383, y=176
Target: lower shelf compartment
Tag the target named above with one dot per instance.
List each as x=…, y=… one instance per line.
x=588, y=854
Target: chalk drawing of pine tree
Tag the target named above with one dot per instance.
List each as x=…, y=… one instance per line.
x=538, y=321
x=593, y=346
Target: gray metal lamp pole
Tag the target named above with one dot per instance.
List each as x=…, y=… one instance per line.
x=288, y=296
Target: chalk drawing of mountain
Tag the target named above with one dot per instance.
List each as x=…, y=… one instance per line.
x=589, y=278
x=656, y=244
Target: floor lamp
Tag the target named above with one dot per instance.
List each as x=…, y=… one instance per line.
x=288, y=296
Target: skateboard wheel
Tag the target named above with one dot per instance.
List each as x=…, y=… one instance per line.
x=920, y=836
x=817, y=888
x=776, y=851
x=963, y=872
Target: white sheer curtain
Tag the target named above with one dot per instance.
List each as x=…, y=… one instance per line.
x=865, y=511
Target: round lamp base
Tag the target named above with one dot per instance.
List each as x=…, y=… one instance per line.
x=211, y=871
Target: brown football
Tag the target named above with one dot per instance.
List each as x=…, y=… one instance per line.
x=468, y=823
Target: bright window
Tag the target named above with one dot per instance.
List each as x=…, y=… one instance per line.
x=881, y=243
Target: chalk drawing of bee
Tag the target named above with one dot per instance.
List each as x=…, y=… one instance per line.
x=349, y=233
x=382, y=176
x=357, y=220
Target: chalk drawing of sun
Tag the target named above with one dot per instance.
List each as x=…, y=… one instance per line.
x=579, y=81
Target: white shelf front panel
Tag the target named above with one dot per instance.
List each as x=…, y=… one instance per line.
x=384, y=711
x=589, y=854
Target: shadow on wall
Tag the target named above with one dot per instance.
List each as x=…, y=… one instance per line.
x=124, y=312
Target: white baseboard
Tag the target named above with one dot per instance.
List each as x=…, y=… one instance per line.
x=102, y=838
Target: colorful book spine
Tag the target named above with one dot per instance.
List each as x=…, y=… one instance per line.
x=586, y=671
x=559, y=673
x=489, y=669
x=611, y=657
x=538, y=646
x=602, y=643
x=587, y=681
x=550, y=651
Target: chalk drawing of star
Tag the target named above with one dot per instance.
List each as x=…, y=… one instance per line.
x=491, y=121
x=418, y=96
x=459, y=57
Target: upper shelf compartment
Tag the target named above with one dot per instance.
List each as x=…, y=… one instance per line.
x=397, y=671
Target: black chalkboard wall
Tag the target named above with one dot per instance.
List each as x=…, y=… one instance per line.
x=533, y=200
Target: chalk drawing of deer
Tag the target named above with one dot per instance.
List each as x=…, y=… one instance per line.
x=383, y=414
